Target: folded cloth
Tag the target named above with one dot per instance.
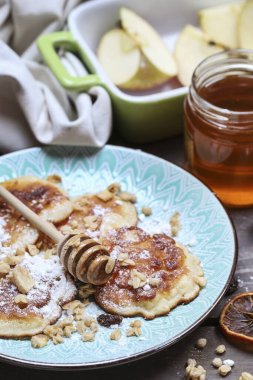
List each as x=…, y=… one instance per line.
x=33, y=105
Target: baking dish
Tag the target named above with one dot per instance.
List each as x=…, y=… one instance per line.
x=137, y=118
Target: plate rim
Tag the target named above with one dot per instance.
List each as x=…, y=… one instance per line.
x=155, y=349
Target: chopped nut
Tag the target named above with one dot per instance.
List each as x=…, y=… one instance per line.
x=22, y=279
x=66, y=229
x=128, y=262
x=115, y=335
x=86, y=290
x=32, y=249
x=88, y=336
x=110, y=265
x=175, y=223
x=20, y=251
x=246, y=376
x=217, y=362
x=191, y=362
x=57, y=339
x=194, y=372
x=71, y=305
x=201, y=343
x=91, y=221
x=105, y=195
x=4, y=269
x=13, y=260
x=53, y=330
x=39, y=341
x=135, y=329
x=65, y=322
x=49, y=253
x=54, y=178
x=21, y=300
x=122, y=256
x=137, y=279
x=224, y=370
x=128, y=197
x=153, y=281
x=88, y=320
x=220, y=349
x=114, y=188
x=39, y=244
x=68, y=330
x=136, y=323
x=147, y=211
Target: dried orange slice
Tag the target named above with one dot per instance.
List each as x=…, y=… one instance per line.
x=236, y=320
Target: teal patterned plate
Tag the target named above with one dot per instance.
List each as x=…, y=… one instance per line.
x=206, y=230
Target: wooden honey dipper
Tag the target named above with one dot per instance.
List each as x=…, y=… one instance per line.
x=83, y=257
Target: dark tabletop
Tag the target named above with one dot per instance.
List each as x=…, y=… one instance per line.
x=170, y=363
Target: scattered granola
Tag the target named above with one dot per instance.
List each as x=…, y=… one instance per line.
x=105, y=195
x=32, y=249
x=217, y=362
x=115, y=335
x=86, y=290
x=224, y=370
x=194, y=372
x=21, y=300
x=39, y=341
x=135, y=328
x=13, y=260
x=201, y=343
x=22, y=279
x=4, y=269
x=137, y=280
x=147, y=211
x=220, y=349
x=54, y=178
x=127, y=197
x=246, y=376
x=88, y=336
x=114, y=188
x=175, y=223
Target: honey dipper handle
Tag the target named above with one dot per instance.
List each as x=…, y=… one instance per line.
x=48, y=228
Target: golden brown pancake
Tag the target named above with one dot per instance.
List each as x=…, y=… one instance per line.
x=153, y=274
x=44, y=198
x=52, y=289
x=96, y=217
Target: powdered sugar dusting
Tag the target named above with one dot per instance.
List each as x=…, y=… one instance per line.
x=4, y=237
x=49, y=276
x=156, y=226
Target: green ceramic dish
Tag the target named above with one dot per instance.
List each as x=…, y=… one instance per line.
x=206, y=230
x=137, y=118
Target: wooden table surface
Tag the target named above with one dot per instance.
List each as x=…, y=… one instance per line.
x=170, y=363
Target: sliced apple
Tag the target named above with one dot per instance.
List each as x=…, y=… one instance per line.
x=192, y=46
x=124, y=63
x=149, y=41
x=245, y=27
x=221, y=24
x=120, y=64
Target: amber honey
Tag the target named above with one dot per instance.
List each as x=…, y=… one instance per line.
x=219, y=126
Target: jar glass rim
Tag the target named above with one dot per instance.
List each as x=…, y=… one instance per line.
x=237, y=56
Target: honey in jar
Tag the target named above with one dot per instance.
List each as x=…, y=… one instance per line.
x=219, y=126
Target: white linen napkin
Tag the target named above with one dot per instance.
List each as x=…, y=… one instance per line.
x=33, y=105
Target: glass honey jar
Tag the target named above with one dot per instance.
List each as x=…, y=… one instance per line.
x=218, y=112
